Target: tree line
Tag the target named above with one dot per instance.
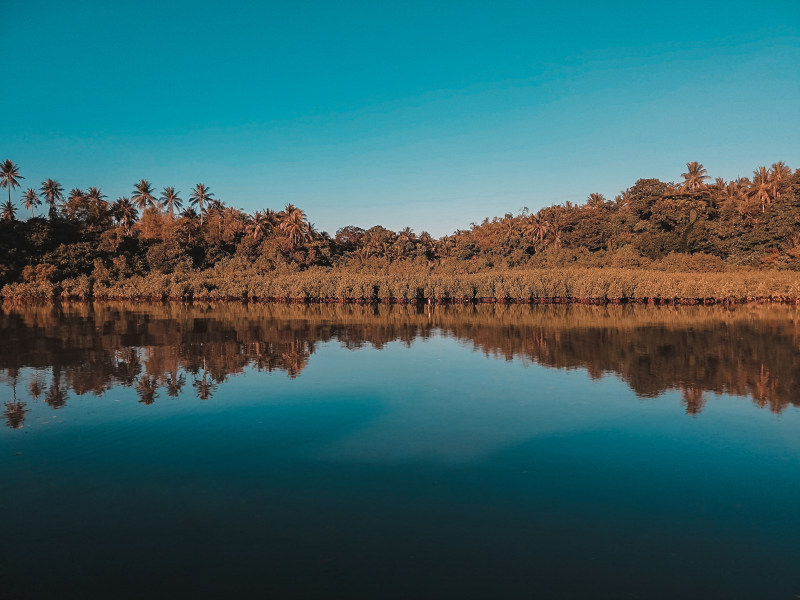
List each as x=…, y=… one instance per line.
x=695, y=224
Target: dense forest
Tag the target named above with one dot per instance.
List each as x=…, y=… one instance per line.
x=78, y=243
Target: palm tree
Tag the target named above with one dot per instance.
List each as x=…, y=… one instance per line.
x=142, y=194
x=97, y=203
x=536, y=228
x=595, y=200
x=293, y=224
x=124, y=213
x=695, y=176
x=260, y=225
x=53, y=193
x=74, y=202
x=199, y=197
x=9, y=176
x=170, y=200
x=779, y=174
x=31, y=200
x=555, y=227
x=217, y=207
x=760, y=188
x=188, y=222
x=9, y=211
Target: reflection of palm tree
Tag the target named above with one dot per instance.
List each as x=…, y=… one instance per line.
x=35, y=387
x=14, y=411
x=175, y=384
x=127, y=365
x=765, y=390
x=203, y=386
x=14, y=414
x=147, y=388
x=693, y=399
x=56, y=395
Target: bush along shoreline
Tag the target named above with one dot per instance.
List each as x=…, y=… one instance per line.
x=541, y=286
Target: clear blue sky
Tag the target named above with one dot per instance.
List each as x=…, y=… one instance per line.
x=422, y=114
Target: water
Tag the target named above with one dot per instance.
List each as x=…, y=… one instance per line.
x=399, y=452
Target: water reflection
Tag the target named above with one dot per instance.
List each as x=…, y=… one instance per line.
x=166, y=349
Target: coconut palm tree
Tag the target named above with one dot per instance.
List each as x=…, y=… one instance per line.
x=142, y=195
x=779, y=174
x=595, y=200
x=170, y=200
x=260, y=225
x=9, y=176
x=536, y=228
x=760, y=188
x=294, y=225
x=98, y=206
x=31, y=200
x=623, y=200
x=556, y=226
x=406, y=235
x=74, y=203
x=124, y=213
x=217, y=209
x=695, y=176
x=53, y=193
x=9, y=211
x=200, y=196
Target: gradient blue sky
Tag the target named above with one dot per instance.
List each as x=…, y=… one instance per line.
x=422, y=114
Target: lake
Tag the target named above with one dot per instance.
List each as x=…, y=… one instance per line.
x=346, y=451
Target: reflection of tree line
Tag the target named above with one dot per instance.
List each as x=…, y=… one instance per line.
x=166, y=349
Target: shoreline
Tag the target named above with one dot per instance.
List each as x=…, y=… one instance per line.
x=652, y=301
x=572, y=285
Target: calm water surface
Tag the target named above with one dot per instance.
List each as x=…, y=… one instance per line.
x=237, y=451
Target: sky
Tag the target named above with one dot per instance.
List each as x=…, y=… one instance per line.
x=430, y=115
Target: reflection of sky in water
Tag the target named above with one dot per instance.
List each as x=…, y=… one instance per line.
x=438, y=400
x=379, y=473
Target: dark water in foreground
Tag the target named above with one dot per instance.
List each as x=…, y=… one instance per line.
x=352, y=452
